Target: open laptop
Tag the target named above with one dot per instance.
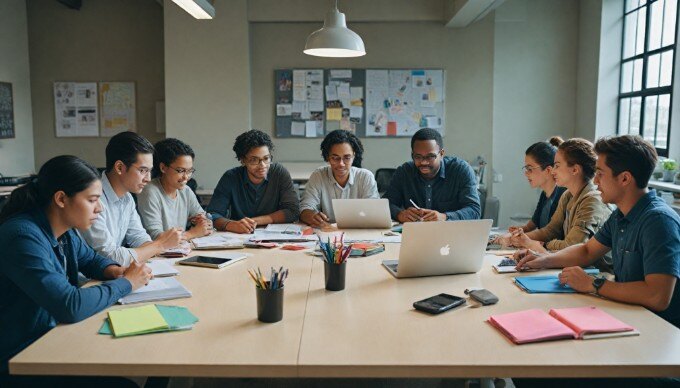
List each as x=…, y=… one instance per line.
x=369, y=213
x=440, y=248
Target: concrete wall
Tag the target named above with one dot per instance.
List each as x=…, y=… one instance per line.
x=534, y=80
x=16, y=155
x=106, y=40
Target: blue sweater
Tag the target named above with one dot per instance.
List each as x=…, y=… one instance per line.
x=39, y=282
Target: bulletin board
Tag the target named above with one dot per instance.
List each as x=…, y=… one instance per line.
x=6, y=111
x=369, y=102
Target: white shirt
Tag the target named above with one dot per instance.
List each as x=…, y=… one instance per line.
x=118, y=224
x=322, y=189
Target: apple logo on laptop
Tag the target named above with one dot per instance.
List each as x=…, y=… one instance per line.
x=362, y=214
x=444, y=251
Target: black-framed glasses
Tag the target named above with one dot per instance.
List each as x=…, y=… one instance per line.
x=255, y=161
x=184, y=171
x=430, y=158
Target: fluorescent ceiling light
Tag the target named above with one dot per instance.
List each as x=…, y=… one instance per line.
x=199, y=9
x=334, y=39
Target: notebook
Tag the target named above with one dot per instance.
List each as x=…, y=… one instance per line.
x=535, y=325
x=157, y=289
x=136, y=320
x=547, y=284
x=217, y=241
x=162, y=268
x=177, y=318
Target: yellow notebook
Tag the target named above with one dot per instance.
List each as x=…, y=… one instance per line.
x=137, y=320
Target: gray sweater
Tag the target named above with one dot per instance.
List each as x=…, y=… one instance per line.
x=159, y=212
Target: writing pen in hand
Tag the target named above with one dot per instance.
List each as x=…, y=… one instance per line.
x=417, y=207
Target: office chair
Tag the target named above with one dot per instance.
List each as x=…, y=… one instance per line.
x=383, y=176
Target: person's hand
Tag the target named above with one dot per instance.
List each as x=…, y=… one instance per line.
x=170, y=238
x=138, y=275
x=113, y=272
x=410, y=214
x=577, y=278
x=514, y=229
x=243, y=226
x=432, y=215
x=503, y=239
x=202, y=227
x=520, y=239
x=319, y=220
x=528, y=259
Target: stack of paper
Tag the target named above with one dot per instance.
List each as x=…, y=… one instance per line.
x=147, y=319
x=295, y=229
x=217, y=241
x=157, y=289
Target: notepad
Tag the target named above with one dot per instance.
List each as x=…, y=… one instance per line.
x=547, y=284
x=295, y=229
x=136, y=320
x=217, y=242
x=162, y=268
x=535, y=325
x=157, y=289
x=177, y=318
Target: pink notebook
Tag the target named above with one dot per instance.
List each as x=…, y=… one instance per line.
x=536, y=325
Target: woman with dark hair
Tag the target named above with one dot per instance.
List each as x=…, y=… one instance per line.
x=539, y=159
x=343, y=178
x=43, y=253
x=167, y=202
x=580, y=212
x=259, y=192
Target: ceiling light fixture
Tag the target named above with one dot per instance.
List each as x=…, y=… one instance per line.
x=334, y=39
x=199, y=9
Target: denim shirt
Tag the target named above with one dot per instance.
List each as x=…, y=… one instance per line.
x=453, y=191
x=39, y=282
x=646, y=241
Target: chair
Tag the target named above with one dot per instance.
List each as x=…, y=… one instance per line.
x=383, y=176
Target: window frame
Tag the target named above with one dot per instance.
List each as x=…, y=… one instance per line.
x=644, y=91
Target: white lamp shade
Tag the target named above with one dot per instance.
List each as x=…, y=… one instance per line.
x=334, y=39
x=199, y=9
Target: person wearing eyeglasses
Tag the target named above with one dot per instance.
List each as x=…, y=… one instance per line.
x=539, y=160
x=433, y=187
x=167, y=202
x=118, y=232
x=343, y=178
x=259, y=192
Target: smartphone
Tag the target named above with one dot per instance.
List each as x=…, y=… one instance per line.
x=212, y=262
x=438, y=303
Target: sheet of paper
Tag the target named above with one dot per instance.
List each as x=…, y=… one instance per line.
x=331, y=93
x=433, y=122
x=356, y=112
x=356, y=93
x=315, y=105
x=341, y=73
x=297, y=128
x=156, y=284
x=284, y=109
x=343, y=92
x=333, y=114
x=310, y=128
x=299, y=106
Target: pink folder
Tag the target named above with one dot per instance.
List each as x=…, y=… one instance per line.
x=589, y=320
x=531, y=326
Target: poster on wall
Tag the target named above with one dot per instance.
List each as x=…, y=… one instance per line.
x=118, y=107
x=75, y=109
x=6, y=111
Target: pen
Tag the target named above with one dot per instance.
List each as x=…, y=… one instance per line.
x=416, y=206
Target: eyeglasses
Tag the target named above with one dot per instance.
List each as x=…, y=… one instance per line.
x=184, y=171
x=347, y=159
x=430, y=158
x=143, y=171
x=255, y=161
x=529, y=169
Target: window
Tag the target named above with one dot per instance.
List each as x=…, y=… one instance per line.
x=647, y=62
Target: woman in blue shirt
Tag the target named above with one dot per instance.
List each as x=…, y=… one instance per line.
x=42, y=255
x=539, y=159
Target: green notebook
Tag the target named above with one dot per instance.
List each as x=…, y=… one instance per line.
x=136, y=320
x=177, y=318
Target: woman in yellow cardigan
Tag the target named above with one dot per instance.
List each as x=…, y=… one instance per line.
x=580, y=212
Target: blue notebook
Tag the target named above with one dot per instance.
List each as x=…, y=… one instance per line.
x=547, y=284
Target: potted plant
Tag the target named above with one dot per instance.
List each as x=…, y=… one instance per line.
x=669, y=168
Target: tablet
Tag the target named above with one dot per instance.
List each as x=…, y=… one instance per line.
x=213, y=262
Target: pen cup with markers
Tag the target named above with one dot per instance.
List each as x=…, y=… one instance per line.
x=269, y=294
x=335, y=255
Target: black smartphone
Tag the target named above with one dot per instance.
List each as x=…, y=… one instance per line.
x=438, y=303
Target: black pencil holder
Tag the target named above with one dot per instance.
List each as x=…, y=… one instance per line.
x=335, y=275
x=269, y=304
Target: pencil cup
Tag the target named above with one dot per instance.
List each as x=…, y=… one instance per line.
x=269, y=305
x=335, y=275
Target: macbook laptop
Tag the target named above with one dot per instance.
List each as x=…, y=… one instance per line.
x=369, y=213
x=440, y=248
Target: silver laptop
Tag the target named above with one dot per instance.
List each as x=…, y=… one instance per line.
x=369, y=213
x=440, y=248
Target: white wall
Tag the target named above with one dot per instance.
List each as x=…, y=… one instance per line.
x=535, y=61
x=589, y=22
x=207, y=83
x=16, y=155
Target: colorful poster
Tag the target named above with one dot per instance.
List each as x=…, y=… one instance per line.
x=118, y=107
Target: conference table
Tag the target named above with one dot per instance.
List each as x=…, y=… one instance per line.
x=370, y=329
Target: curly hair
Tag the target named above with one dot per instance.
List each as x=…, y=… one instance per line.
x=249, y=140
x=427, y=134
x=580, y=151
x=340, y=136
x=167, y=151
